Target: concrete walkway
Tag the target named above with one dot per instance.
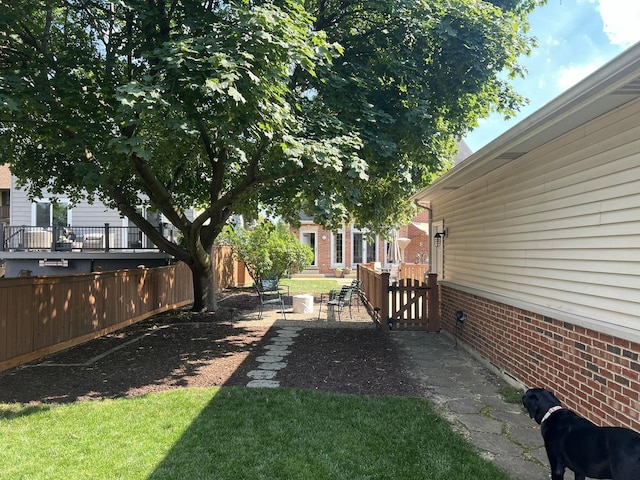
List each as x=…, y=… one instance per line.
x=466, y=393
x=273, y=360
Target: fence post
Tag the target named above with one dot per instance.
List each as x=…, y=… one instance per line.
x=106, y=237
x=433, y=299
x=54, y=237
x=384, y=299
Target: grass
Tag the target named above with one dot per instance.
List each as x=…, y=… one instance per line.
x=511, y=394
x=237, y=433
x=311, y=285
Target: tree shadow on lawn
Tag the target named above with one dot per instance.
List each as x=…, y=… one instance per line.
x=165, y=352
x=305, y=434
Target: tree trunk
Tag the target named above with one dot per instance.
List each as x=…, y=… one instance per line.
x=204, y=289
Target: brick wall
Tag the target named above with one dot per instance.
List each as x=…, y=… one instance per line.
x=323, y=247
x=595, y=374
x=418, y=249
x=416, y=252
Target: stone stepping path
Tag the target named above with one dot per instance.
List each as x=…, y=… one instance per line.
x=273, y=360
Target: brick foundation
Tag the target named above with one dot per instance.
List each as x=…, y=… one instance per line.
x=595, y=374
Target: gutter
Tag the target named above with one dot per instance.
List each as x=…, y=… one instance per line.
x=613, y=85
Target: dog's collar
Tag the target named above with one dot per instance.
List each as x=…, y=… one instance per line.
x=550, y=412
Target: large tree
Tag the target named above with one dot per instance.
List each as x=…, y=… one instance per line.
x=341, y=109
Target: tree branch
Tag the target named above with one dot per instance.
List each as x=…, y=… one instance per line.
x=158, y=194
x=148, y=229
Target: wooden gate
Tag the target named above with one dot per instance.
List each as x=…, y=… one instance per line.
x=408, y=305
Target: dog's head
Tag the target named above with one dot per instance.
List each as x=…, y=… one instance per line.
x=538, y=401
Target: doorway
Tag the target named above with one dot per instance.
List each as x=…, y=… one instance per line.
x=309, y=239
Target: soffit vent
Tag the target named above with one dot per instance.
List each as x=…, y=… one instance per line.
x=631, y=88
x=509, y=155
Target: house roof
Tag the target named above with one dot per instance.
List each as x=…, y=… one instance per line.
x=464, y=152
x=613, y=85
x=5, y=177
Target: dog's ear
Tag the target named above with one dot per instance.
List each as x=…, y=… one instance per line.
x=531, y=402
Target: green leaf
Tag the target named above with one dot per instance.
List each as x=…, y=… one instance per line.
x=236, y=95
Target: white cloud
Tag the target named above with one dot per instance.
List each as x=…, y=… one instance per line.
x=568, y=76
x=621, y=19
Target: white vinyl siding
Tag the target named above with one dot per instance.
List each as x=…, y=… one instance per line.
x=95, y=215
x=20, y=207
x=84, y=214
x=558, y=227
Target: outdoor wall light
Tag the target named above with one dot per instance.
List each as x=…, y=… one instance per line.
x=460, y=316
x=439, y=237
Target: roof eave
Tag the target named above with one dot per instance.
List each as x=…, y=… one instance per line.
x=613, y=85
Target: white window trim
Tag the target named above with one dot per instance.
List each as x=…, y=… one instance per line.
x=50, y=200
x=335, y=264
x=364, y=231
x=313, y=230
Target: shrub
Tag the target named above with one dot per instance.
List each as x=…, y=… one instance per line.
x=268, y=250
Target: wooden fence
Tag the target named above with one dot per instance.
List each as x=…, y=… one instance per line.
x=409, y=304
x=227, y=271
x=43, y=315
x=413, y=271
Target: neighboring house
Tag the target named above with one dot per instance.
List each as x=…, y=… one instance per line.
x=541, y=247
x=350, y=245
x=48, y=236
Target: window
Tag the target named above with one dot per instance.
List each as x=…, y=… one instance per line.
x=338, y=249
x=364, y=249
x=47, y=213
x=136, y=238
x=371, y=247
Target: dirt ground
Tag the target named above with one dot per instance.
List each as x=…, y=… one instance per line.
x=181, y=349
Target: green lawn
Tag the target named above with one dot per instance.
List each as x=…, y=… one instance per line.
x=237, y=433
x=311, y=285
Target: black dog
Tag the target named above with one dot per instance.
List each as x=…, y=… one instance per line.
x=575, y=443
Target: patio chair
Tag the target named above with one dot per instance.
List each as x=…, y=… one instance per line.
x=338, y=300
x=269, y=294
x=271, y=285
x=356, y=286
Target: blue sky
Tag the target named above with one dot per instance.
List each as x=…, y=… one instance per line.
x=575, y=38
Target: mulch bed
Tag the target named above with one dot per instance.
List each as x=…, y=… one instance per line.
x=180, y=349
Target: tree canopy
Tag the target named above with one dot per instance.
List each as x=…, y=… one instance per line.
x=339, y=109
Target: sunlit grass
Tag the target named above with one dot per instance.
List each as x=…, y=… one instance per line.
x=311, y=285
x=234, y=433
